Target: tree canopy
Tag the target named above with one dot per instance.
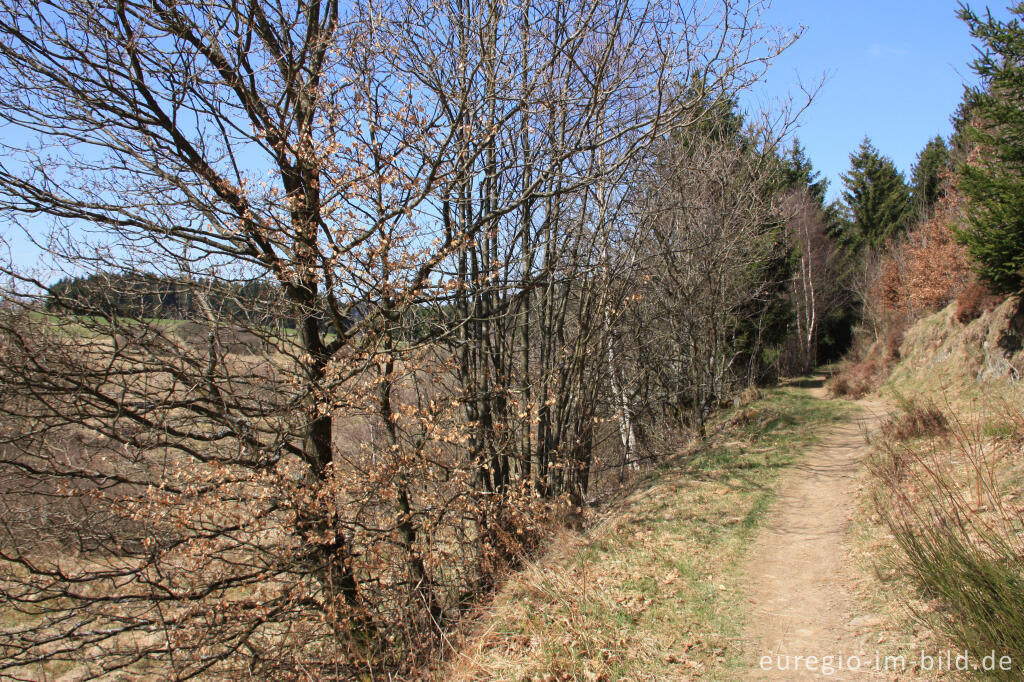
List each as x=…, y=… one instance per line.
x=926, y=175
x=798, y=171
x=993, y=177
x=877, y=197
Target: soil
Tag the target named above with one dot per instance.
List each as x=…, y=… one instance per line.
x=799, y=572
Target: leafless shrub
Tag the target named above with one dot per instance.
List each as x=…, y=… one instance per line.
x=393, y=228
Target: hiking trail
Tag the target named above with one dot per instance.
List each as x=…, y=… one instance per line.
x=797, y=571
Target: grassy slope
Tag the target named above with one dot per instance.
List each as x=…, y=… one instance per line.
x=939, y=369
x=651, y=591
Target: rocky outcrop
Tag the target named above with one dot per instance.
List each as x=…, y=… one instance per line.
x=988, y=347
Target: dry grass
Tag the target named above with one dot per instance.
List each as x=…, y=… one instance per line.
x=651, y=591
x=915, y=420
x=856, y=380
x=951, y=501
x=870, y=363
x=974, y=301
x=883, y=590
x=939, y=532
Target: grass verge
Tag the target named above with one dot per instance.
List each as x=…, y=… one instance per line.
x=650, y=592
x=946, y=530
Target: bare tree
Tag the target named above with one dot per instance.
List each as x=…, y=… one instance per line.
x=711, y=236
x=816, y=288
x=379, y=223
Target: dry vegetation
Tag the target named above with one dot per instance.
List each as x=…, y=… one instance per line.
x=651, y=591
x=916, y=276
x=914, y=421
x=950, y=498
x=938, y=534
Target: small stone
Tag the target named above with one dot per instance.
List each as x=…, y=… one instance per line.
x=868, y=621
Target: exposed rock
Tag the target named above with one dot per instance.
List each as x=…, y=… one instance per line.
x=989, y=347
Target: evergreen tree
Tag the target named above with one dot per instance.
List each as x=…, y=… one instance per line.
x=959, y=143
x=797, y=171
x=993, y=182
x=877, y=198
x=926, y=175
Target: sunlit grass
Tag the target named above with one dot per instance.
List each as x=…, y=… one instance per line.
x=652, y=592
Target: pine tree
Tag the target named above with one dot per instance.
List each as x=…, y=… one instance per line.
x=877, y=198
x=993, y=180
x=960, y=144
x=926, y=176
x=799, y=172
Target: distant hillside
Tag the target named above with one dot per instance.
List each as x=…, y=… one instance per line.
x=148, y=295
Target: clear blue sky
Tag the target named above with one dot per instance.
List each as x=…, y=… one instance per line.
x=895, y=72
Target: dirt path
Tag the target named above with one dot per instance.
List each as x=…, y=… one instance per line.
x=797, y=571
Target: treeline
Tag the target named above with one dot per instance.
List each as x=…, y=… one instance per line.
x=156, y=296
x=952, y=231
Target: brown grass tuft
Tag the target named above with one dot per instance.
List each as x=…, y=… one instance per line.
x=865, y=371
x=915, y=421
x=856, y=380
x=975, y=300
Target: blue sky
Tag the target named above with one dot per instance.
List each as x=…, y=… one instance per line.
x=895, y=72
